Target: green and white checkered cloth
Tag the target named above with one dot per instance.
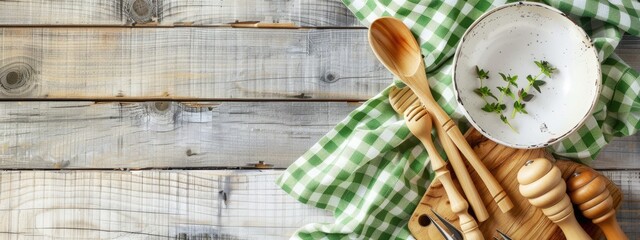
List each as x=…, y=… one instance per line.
x=371, y=172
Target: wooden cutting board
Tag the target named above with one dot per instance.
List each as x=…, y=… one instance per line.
x=524, y=221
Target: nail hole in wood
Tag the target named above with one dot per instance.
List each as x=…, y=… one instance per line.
x=424, y=220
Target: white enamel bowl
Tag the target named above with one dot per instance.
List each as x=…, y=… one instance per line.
x=508, y=39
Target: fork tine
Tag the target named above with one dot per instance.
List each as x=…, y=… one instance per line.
x=454, y=231
x=504, y=236
x=444, y=233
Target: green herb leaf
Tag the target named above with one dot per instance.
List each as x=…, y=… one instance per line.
x=538, y=63
x=528, y=97
x=523, y=95
x=506, y=91
x=509, y=79
x=504, y=119
x=484, y=92
x=545, y=68
x=481, y=73
x=530, y=79
x=478, y=92
x=536, y=84
x=513, y=80
x=504, y=77
x=519, y=107
x=488, y=107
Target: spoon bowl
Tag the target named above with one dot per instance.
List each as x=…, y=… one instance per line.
x=397, y=50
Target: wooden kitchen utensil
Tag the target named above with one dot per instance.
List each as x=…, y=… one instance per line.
x=397, y=49
x=420, y=124
x=541, y=182
x=524, y=221
x=403, y=98
x=588, y=190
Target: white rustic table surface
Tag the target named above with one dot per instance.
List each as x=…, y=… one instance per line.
x=136, y=119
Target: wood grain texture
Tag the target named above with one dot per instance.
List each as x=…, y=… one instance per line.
x=155, y=204
x=621, y=153
x=307, y=13
x=629, y=211
x=522, y=222
x=629, y=51
x=95, y=63
x=149, y=205
x=161, y=134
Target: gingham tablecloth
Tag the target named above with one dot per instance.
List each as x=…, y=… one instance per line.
x=371, y=172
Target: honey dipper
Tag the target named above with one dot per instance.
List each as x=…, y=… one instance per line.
x=542, y=184
x=420, y=124
x=588, y=190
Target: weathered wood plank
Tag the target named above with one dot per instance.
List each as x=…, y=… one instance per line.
x=316, y=13
x=308, y=13
x=629, y=50
x=149, y=205
x=161, y=134
x=173, y=134
x=179, y=204
x=629, y=211
x=621, y=153
x=94, y=63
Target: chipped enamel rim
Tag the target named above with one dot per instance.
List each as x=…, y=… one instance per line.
x=499, y=135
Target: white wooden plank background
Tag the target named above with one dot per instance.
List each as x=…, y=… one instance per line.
x=203, y=63
x=306, y=13
x=173, y=134
x=161, y=134
x=179, y=204
x=149, y=205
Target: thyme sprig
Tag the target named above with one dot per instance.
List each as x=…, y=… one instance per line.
x=519, y=99
x=523, y=94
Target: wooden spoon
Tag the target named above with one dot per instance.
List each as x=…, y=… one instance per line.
x=419, y=123
x=397, y=49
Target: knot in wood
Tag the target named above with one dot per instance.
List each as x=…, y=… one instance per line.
x=329, y=77
x=141, y=11
x=16, y=79
x=162, y=106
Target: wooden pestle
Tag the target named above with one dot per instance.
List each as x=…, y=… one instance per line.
x=542, y=184
x=588, y=190
x=420, y=124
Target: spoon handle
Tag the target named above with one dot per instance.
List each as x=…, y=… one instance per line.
x=468, y=186
x=419, y=84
